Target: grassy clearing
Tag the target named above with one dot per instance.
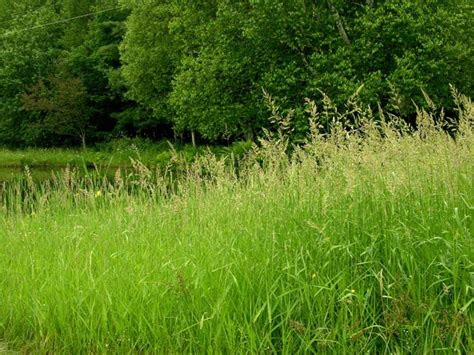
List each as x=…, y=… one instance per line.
x=117, y=153
x=354, y=243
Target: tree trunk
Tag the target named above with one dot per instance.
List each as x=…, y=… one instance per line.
x=193, y=138
x=175, y=135
x=339, y=24
x=83, y=140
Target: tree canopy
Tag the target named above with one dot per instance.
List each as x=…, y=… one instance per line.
x=80, y=71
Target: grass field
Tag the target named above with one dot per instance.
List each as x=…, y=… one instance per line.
x=116, y=153
x=353, y=243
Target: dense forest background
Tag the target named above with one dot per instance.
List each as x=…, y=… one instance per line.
x=77, y=72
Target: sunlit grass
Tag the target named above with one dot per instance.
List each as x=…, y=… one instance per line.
x=348, y=245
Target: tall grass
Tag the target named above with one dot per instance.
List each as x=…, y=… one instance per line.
x=357, y=241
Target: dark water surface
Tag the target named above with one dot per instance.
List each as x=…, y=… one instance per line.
x=41, y=174
x=9, y=174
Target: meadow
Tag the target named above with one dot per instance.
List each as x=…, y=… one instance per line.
x=355, y=241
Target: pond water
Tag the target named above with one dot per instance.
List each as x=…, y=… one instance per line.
x=40, y=174
x=8, y=174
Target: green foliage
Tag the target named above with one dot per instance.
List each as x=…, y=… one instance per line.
x=414, y=47
x=87, y=49
x=61, y=108
x=148, y=56
x=170, y=68
x=25, y=57
x=97, y=62
x=212, y=69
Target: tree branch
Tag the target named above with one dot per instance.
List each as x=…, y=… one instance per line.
x=339, y=24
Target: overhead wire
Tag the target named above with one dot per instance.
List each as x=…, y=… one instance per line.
x=60, y=21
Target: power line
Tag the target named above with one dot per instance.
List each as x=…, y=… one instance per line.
x=62, y=21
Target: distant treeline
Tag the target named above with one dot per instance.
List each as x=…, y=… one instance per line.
x=78, y=72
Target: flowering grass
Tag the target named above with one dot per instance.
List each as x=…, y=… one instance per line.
x=352, y=243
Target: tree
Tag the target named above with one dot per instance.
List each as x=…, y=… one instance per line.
x=61, y=108
x=218, y=65
x=149, y=58
x=25, y=57
x=200, y=66
x=96, y=60
x=84, y=37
